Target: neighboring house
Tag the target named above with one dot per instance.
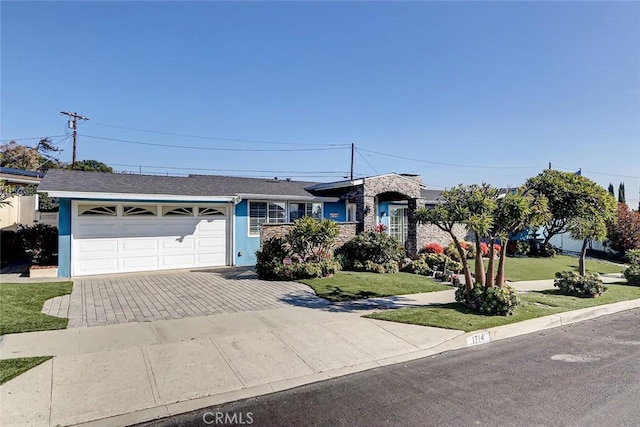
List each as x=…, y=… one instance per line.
x=21, y=209
x=114, y=223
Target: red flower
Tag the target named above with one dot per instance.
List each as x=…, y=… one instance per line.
x=484, y=248
x=433, y=248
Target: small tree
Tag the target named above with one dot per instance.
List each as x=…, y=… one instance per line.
x=596, y=211
x=611, y=190
x=621, y=196
x=624, y=231
x=452, y=210
x=570, y=197
x=312, y=240
x=481, y=202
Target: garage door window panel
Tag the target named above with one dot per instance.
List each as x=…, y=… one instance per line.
x=96, y=210
x=140, y=211
x=177, y=211
x=210, y=212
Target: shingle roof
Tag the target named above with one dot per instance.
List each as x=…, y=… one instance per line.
x=431, y=196
x=196, y=185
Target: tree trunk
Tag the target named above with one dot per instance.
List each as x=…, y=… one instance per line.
x=490, y=267
x=500, y=279
x=480, y=277
x=583, y=258
x=465, y=265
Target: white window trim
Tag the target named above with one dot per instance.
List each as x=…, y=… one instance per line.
x=287, y=207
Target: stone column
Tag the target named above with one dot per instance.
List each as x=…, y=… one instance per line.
x=366, y=213
x=412, y=228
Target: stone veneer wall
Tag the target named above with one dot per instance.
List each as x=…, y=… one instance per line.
x=428, y=233
x=347, y=232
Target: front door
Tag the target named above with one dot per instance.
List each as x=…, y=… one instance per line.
x=398, y=223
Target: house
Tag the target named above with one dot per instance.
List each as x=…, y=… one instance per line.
x=115, y=223
x=21, y=209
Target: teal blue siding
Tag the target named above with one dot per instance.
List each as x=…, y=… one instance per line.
x=245, y=245
x=335, y=210
x=64, y=238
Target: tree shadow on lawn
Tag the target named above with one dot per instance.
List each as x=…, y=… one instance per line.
x=311, y=300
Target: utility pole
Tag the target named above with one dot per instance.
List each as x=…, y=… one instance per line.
x=353, y=150
x=73, y=124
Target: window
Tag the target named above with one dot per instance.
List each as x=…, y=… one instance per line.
x=139, y=211
x=269, y=212
x=177, y=211
x=97, y=210
x=299, y=210
x=209, y=212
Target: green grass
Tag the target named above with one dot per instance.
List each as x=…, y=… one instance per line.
x=11, y=368
x=518, y=269
x=534, y=304
x=350, y=285
x=20, y=305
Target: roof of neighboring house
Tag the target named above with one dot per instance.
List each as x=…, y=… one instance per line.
x=20, y=176
x=430, y=196
x=61, y=183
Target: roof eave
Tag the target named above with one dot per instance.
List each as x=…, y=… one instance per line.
x=128, y=196
x=247, y=196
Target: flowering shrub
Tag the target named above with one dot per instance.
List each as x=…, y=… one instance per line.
x=380, y=228
x=484, y=248
x=433, y=248
x=497, y=248
x=571, y=283
x=464, y=245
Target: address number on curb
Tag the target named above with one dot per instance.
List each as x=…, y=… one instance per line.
x=477, y=339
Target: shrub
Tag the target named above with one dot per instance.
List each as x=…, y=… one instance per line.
x=380, y=228
x=433, y=248
x=548, y=251
x=40, y=243
x=499, y=300
x=491, y=301
x=484, y=248
x=312, y=240
x=451, y=251
x=366, y=249
x=270, y=258
x=470, y=250
x=306, y=270
x=571, y=283
x=497, y=248
x=418, y=266
x=632, y=273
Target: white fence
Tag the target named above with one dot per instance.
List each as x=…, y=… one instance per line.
x=23, y=210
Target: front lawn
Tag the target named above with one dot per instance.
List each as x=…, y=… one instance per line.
x=11, y=368
x=518, y=269
x=351, y=285
x=534, y=304
x=21, y=303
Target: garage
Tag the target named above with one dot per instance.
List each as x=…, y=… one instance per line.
x=112, y=237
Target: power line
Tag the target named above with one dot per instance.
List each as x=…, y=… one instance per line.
x=367, y=162
x=28, y=139
x=212, y=148
x=601, y=173
x=215, y=138
x=228, y=170
x=447, y=164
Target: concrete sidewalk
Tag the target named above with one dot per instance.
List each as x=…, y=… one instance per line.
x=122, y=374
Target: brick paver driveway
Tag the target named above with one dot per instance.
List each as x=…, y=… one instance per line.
x=102, y=300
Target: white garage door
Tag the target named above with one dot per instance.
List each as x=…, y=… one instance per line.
x=119, y=238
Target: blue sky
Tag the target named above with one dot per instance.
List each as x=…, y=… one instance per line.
x=499, y=88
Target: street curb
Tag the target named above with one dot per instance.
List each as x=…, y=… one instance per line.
x=467, y=339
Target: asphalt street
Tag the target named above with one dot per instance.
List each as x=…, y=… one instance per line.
x=585, y=374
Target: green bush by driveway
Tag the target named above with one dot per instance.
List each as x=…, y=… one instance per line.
x=21, y=303
x=351, y=285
